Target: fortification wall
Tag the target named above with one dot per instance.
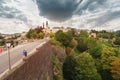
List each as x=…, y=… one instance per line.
x=37, y=66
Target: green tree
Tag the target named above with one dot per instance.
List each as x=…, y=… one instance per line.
x=117, y=41
x=55, y=42
x=58, y=35
x=91, y=43
x=29, y=33
x=51, y=35
x=72, y=32
x=86, y=69
x=96, y=52
x=81, y=67
x=83, y=33
x=34, y=35
x=41, y=35
x=103, y=56
x=105, y=34
x=82, y=44
x=69, y=65
x=63, y=38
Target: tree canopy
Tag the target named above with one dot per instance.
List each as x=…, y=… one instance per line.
x=63, y=37
x=81, y=67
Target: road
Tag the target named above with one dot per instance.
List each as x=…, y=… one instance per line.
x=16, y=54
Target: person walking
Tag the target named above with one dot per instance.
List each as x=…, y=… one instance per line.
x=24, y=53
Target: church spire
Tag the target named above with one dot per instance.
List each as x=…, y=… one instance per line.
x=46, y=24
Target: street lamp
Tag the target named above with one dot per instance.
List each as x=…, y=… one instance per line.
x=8, y=48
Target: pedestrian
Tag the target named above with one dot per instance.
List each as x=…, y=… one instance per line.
x=24, y=53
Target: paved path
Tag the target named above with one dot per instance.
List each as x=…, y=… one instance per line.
x=16, y=54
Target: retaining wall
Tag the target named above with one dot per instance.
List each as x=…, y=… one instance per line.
x=37, y=66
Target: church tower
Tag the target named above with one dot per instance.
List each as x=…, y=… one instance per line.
x=47, y=24
x=47, y=29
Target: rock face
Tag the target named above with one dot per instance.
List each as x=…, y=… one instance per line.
x=38, y=66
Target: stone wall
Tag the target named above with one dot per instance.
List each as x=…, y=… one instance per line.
x=37, y=66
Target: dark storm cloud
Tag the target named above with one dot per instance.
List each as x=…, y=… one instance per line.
x=57, y=10
x=61, y=10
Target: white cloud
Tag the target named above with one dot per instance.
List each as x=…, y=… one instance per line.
x=26, y=15
x=10, y=26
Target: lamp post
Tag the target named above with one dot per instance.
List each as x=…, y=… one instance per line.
x=8, y=48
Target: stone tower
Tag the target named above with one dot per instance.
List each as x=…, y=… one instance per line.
x=47, y=24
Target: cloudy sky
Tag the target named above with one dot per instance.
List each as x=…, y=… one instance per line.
x=21, y=15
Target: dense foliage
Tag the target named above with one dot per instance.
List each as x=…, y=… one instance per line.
x=117, y=41
x=35, y=33
x=90, y=58
x=81, y=67
x=82, y=44
x=63, y=37
x=69, y=71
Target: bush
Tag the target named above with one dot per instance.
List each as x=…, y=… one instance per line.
x=41, y=35
x=62, y=37
x=55, y=42
x=82, y=44
x=85, y=68
x=117, y=41
x=51, y=35
x=83, y=33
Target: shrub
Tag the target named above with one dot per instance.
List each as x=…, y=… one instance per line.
x=55, y=42
x=51, y=35
x=41, y=35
